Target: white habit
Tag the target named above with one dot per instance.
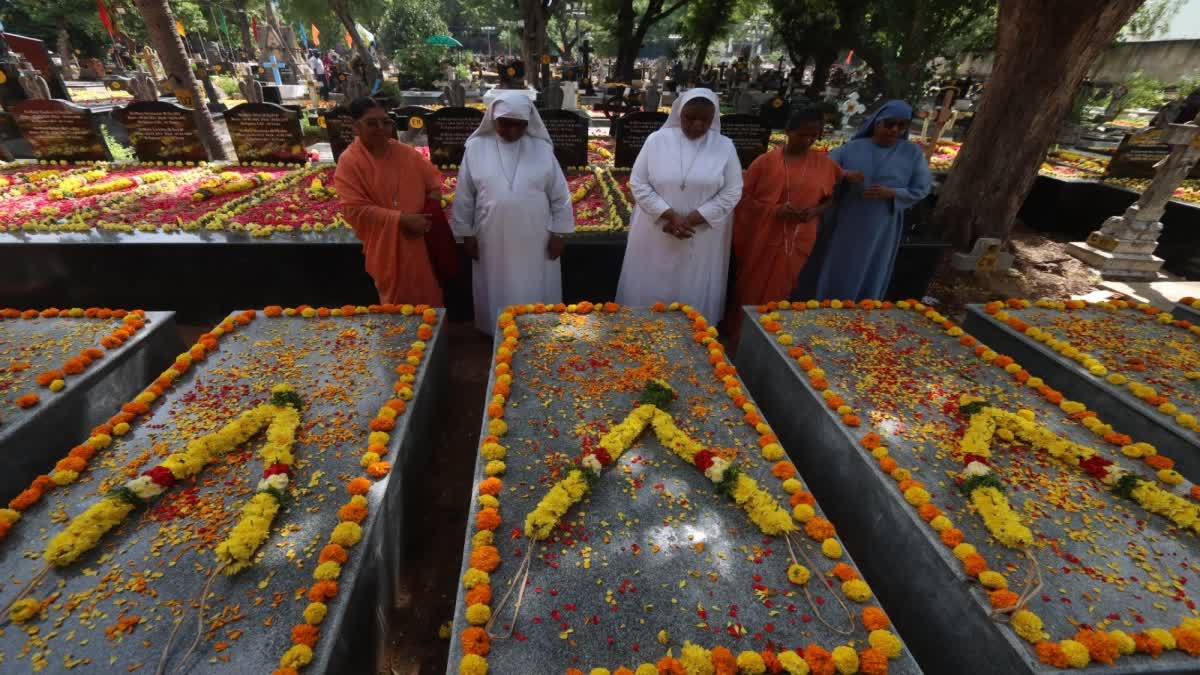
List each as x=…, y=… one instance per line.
x=512, y=196
x=675, y=172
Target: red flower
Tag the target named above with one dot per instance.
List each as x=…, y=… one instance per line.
x=161, y=476
x=704, y=459
x=1097, y=467
x=602, y=456
x=968, y=458
x=276, y=468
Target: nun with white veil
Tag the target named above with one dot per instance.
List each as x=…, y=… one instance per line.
x=512, y=207
x=687, y=181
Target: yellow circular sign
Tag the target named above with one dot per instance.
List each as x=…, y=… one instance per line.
x=260, y=70
x=511, y=71
x=776, y=103
x=416, y=123
x=216, y=67
x=3, y=77
x=321, y=121
x=545, y=58
x=115, y=85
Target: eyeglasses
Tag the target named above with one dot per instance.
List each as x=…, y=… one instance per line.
x=893, y=124
x=377, y=122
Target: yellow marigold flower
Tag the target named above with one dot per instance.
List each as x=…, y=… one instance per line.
x=474, y=577
x=58, y=385
x=1125, y=644
x=845, y=659
x=472, y=664
x=1170, y=476
x=1028, y=626
x=9, y=516
x=749, y=663
x=346, y=534
x=880, y=452
x=798, y=574
x=315, y=613
x=492, y=451
x=901, y=474
x=941, y=523
x=857, y=590
x=836, y=304
x=1077, y=654
x=886, y=642
x=599, y=671
x=803, y=513
x=784, y=339
x=1168, y=408
x=793, y=663
x=482, y=538
x=121, y=429
x=327, y=571
x=478, y=614
x=993, y=580
x=308, y=312
x=494, y=467
x=497, y=427
x=916, y=496
x=1163, y=636
x=1027, y=414
x=489, y=502
x=100, y=441
x=696, y=659
x=297, y=657
x=844, y=410
x=63, y=477
x=24, y=610
x=368, y=459
x=646, y=669
x=831, y=548
x=792, y=486
x=773, y=452
x=1186, y=420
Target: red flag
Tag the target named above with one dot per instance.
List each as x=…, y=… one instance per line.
x=254, y=27
x=104, y=18
x=850, y=57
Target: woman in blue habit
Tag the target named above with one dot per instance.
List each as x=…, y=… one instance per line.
x=886, y=174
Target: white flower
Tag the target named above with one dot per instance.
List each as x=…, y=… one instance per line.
x=976, y=469
x=716, y=472
x=144, y=488
x=1113, y=475
x=279, y=481
x=591, y=463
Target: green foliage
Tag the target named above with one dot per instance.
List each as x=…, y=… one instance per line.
x=406, y=25
x=1125, y=486
x=986, y=480
x=126, y=495
x=1152, y=18
x=658, y=394
x=119, y=152
x=227, y=85
x=423, y=63
x=1144, y=92
x=40, y=19
x=971, y=408
x=729, y=481
x=286, y=398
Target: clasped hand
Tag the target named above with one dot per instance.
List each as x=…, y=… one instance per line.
x=678, y=226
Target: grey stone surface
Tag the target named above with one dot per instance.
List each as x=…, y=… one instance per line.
x=943, y=615
x=343, y=368
x=1186, y=313
x=33, y=439
x=577, y=375
x=1115, y=405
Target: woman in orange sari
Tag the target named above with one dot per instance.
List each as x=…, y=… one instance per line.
x=775, y=225
x=383, y=186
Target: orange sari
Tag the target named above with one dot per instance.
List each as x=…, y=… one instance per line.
x=374, y=192
x=770, y=253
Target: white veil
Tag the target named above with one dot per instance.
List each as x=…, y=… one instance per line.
x=514, y=105
x=698, y=92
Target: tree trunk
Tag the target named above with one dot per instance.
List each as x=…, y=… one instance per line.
x=243, y=21
x=702, y=48
x=625, y=30
x=823, y=60
x=342, y=9
x=160, y=24
x=64, y=48
x=533, y=40
x=1042, y=56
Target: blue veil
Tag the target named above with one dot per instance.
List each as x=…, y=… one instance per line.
x=893, y=109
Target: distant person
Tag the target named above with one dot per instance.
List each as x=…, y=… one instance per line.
x=384, y=187
x=886, y=174
x=686, y=182
x=512, y=208
x=318, y=68
x=775, y=225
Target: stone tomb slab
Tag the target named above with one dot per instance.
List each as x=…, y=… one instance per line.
x=162, y=132
x=750, y=136
x=1104, y=561
x=1132, y=346
x=58, y=130
x=569, y=133
x=33, y=439
x=653, y=547
x=631, y=132
x=114, y=608
x=448, y=130
x=266, y=132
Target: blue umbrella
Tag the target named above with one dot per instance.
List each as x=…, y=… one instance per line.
x=442, y=40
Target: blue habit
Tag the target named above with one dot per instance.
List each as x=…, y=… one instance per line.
x=865, y=234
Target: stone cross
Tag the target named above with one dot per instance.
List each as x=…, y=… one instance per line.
x=150, y=59
x=457, y=94
x=570, y=99
x=251, y=89
x=143, y=87
x=32, y=81
x=1123, y=247
x=554, y=96
x=272, y=64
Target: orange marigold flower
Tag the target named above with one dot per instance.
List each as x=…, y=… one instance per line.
x=1195, y=492
x=486, y=558
x=658, y=307
x=819, y=383
x=771, y=661
x=783, y=470
x=1003, y=598
x=1157, y=462
x=273, y=311
x=382, y=424
x=322, y=591
x=135, y=408
x=379, y=469
x=875, y=618
x=724, y=661
x=834, y=402
x=27, y=401
x=333, y=553
x=495, y=410
x=1051, y=654
x=352, y=512
x=966, y=340
x=888, y=465
x=502, y=388
x=487, y=519
x=405, y=369
x=1186, y=639
x=871, y=661
x=1100, y=645
x=904, y=485
x=49, y=376
x=819, y=529
x=669, y=666
x=611, y=307
x=43, y=483
x=872, y=440
x=475, y=640
x=479, y=594
x=424, y=331
x=358, y=486
x=378, y=448
x=928, y=511
x=795, y=352
x=27, y=498
x=304, y=634
x=819, y=660
x=74, y=366
x=85, y=451
x=69, y=463
x=1147, y=644
x=845, y=572
x=490, y=486
x=974, y=565
x=397, y=405
x=952, y=536
x=285, y=671
x=767, y=439
x=851, y=420
x=726, y=369
x=802, y=497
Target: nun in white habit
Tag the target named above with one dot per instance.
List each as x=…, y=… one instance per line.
x=687, y=181
x=512, y=207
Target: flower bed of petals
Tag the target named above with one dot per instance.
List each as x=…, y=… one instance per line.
x=626, y=474
x=301, y=201
x=1113, y=547
x=1134, y=347
x=49, y=210
x=185, y=481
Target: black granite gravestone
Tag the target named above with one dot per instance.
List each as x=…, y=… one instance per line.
x=750, y=136
x=162, y=132
x=60, y=130
x=1139, y=152
x=265, y=132
x=339, y=128
x=410, y=117
x=775, y=112
x=12, y=144
x=448, y=130
x=632, y=131
x=569, y=133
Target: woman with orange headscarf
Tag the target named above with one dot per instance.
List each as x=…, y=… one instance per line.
x=775, y=224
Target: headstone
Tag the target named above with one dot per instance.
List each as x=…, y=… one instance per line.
x=34, y=51
x=1139, y=152
x=252, y=89
x=570, y=92
x=12, y=144
x=59, y=130
x=744, y=102
x=987, y=256
x=632, y=131
x=448, y=130
x=272, y=94
x=339, y=129
x=569, y=133
x=554, y=97
x=653, y=97
x=411, y=118
x=750, y=136
x=11, y=92
x=162, y=132
x=457, y=94
x=265, y=132
x=775, y=112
